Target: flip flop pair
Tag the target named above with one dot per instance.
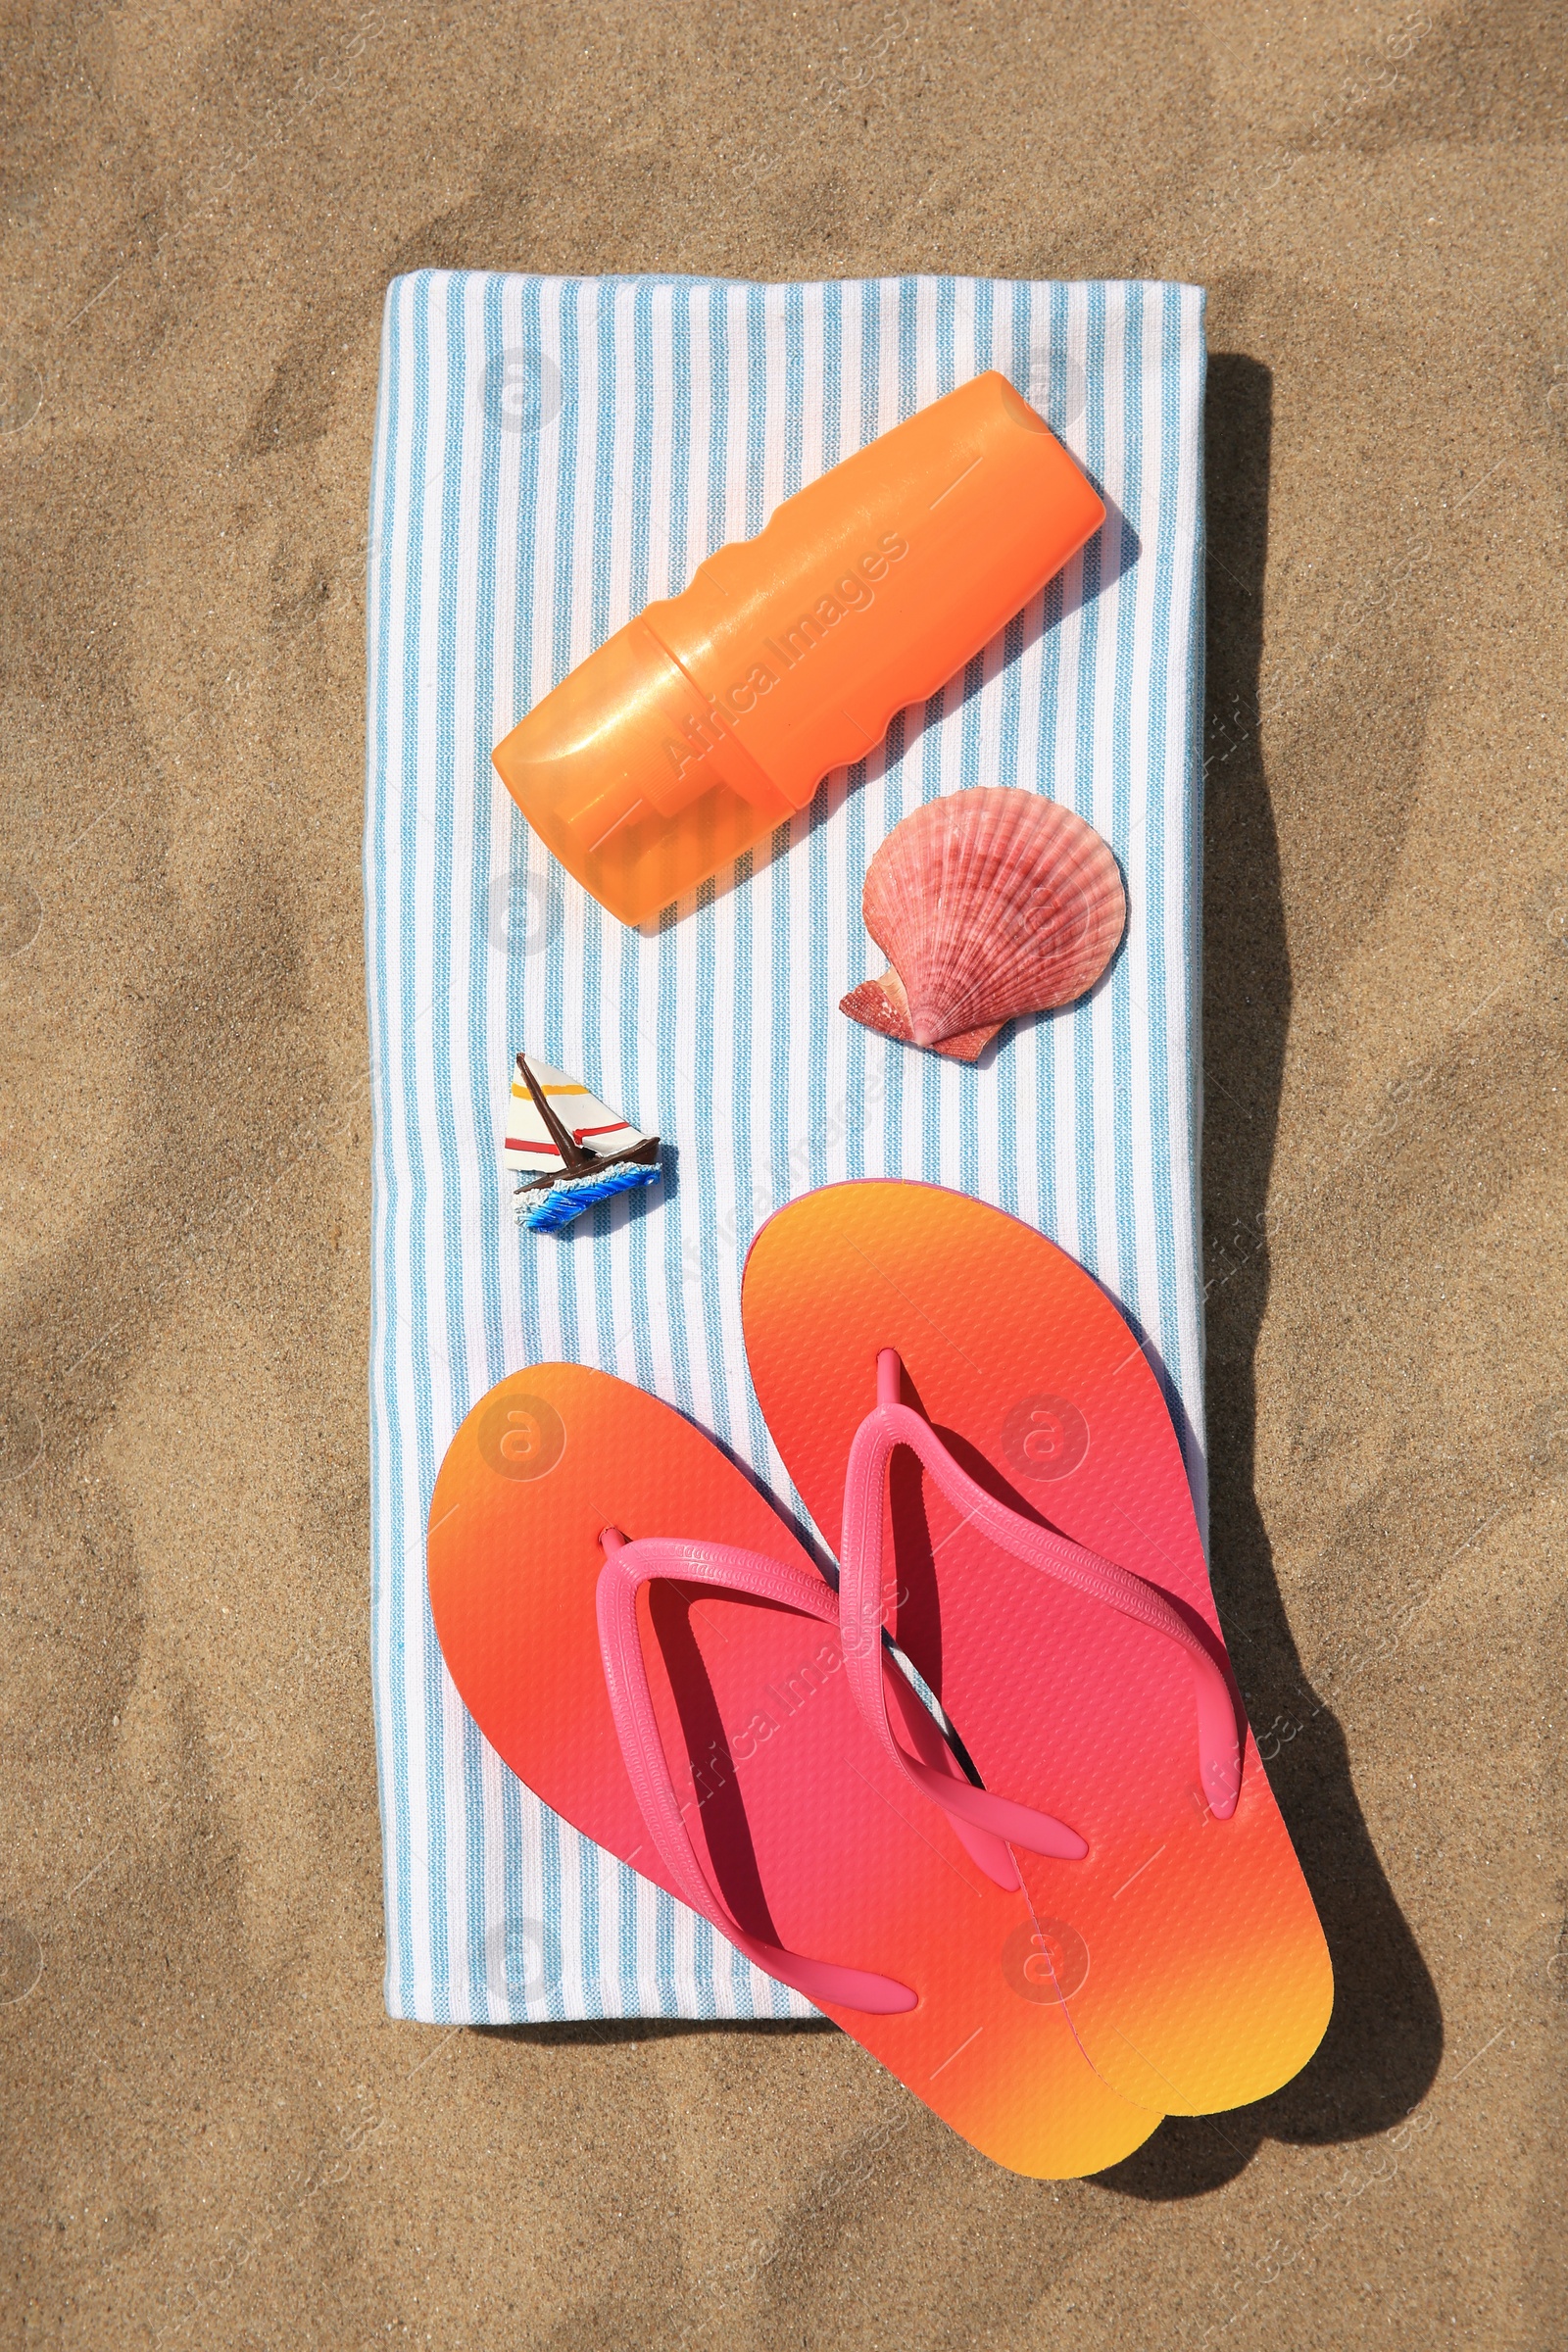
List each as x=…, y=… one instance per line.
x=1074, y=1911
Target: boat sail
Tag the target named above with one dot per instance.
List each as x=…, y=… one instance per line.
x=568, y=1149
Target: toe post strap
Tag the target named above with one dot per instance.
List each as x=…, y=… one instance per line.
x=978, y=1813
x=627, y=1567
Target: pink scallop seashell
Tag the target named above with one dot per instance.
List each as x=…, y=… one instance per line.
x=987, y=904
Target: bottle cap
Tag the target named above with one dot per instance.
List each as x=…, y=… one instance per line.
x=622, y=746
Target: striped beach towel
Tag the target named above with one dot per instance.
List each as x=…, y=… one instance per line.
x=550, y=454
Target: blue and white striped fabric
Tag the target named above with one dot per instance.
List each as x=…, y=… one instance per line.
x=550, y=454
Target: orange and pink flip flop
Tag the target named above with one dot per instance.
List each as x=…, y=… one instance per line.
x=1059, y=1906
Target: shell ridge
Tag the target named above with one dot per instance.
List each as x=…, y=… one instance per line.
x=987, y=903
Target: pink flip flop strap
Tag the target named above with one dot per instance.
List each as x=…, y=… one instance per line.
x=629, y=1565
x=891, y=1424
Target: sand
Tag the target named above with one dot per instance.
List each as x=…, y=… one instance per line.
x=213, y=2135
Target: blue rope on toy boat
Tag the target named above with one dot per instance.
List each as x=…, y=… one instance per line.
x=574, y=1195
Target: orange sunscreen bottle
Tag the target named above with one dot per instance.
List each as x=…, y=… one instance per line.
x=715, y=715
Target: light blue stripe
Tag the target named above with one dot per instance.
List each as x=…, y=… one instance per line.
x=392, y=1741
x=1126, y=605
x=597, y=961
x=1153, y=844
x=445, y=887
x=719, y=361
x=1051, y=612
x=748, y=914
x=777, y=1142
x=593, y=1867
x=856, y=854
x=822, y=1113
x=1010, y=692
x=669, y=1076
x=1007, y=1055
x=818, y=944
x=642, y=492
x=517, y=859
x=414, y=1016
x=895, y=796
x=934, y=780
x=483, y=1080
x=972, y=709
x=559, y=663
x=702, y=1246
x=557, y=1929
x=779, y=873
x=1082, y=782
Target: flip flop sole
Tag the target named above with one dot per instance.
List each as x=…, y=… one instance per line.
x=1187, y=1948
x=803, y=1827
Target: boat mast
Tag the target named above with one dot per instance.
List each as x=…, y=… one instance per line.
x=575, y=1160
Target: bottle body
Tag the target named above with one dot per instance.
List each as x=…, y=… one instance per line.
x=706, y=721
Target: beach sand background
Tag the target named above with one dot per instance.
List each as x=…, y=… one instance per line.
x=211, y=2134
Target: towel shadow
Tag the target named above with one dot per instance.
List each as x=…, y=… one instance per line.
x=1385, y=2039
x=574, y=2031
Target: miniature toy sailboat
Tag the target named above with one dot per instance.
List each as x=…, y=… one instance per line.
x=570, y=1148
